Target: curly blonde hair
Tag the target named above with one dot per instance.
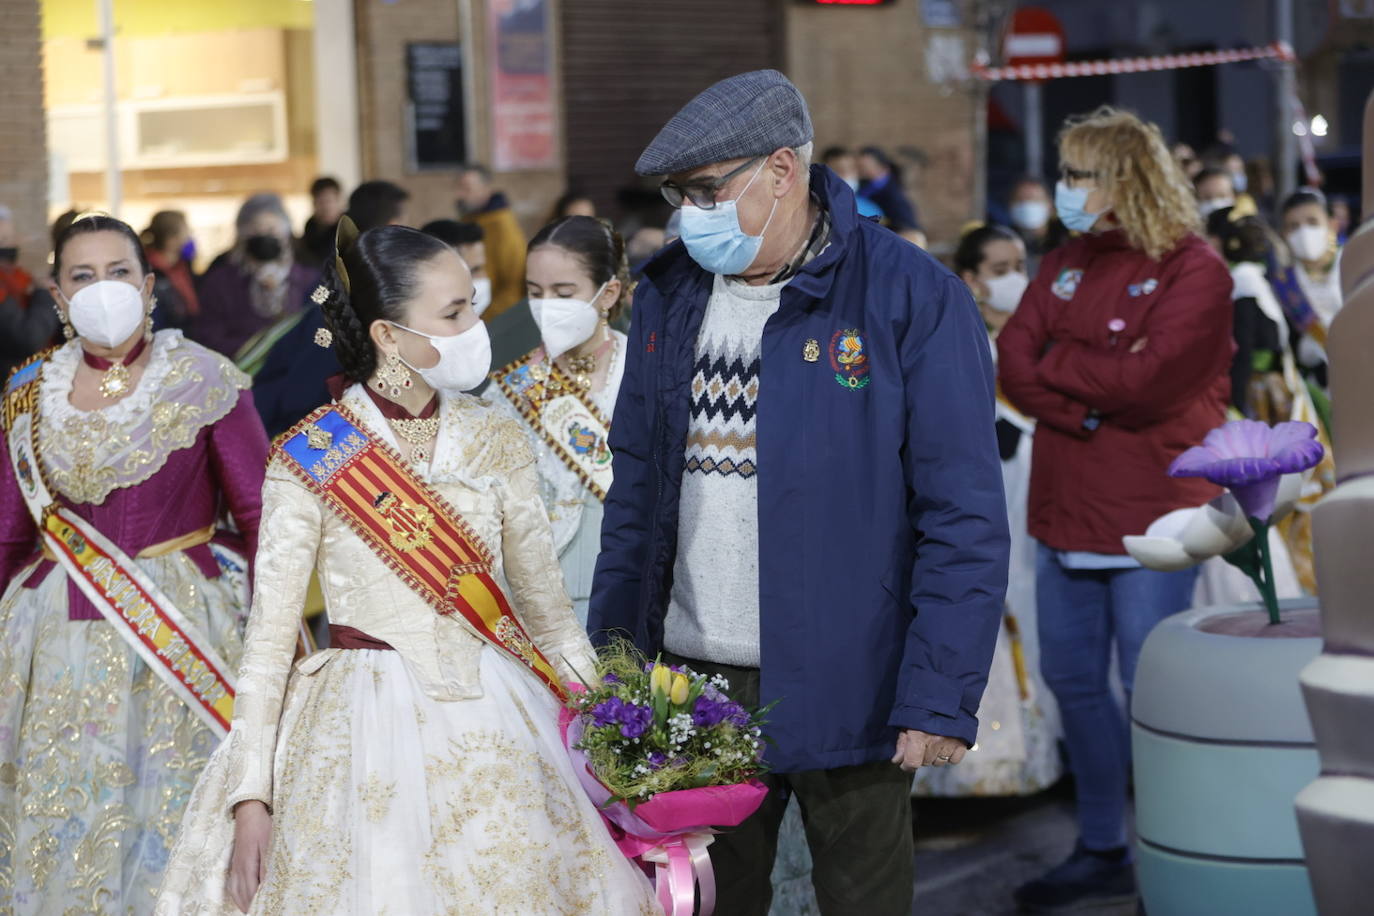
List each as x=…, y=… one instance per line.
x=1150, y=195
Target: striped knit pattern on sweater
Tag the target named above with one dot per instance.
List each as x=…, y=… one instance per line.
x=713, y=612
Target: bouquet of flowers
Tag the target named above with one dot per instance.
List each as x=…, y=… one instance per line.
x=666, y=755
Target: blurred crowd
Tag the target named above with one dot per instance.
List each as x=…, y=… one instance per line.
x=1195, y=292
x=246, y=300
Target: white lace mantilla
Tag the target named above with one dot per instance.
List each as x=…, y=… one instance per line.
x=87, y=454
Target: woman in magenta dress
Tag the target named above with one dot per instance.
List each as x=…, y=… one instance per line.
x=150, y=445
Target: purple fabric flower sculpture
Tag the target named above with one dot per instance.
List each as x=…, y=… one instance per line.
x=1248, y=458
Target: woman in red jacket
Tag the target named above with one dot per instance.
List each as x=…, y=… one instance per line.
x=1120, y=350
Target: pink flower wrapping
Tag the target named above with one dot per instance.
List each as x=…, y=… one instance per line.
x=667, y=814
x=671, y=830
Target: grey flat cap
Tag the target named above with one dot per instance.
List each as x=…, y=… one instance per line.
x=752, y=114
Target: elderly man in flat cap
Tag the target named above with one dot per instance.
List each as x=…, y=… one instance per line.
x=807, y=492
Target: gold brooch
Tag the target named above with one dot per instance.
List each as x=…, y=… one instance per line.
x=115, y=381
x=811, y=351
x=323, y=338
x=410, y=524
x=318, y=439
x=321, y=295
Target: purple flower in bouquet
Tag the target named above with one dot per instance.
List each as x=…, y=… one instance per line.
x=657, y=759
x=709, y=712
x=610, y=679
x=1248, y=458
x=608, y=712
x=635, y=720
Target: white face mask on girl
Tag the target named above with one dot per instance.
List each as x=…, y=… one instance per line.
x=107, y=312
x=565, y=323
x=1005, y=292
x=1309, y=243
x=464, y=359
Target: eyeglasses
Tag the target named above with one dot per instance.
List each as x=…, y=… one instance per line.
x=702, y=193
x=1070, y=174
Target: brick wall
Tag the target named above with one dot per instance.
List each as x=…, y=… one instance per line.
x=383, y=30
x=23, y=133
x=864, y=73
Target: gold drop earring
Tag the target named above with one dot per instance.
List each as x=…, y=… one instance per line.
x=392, y=374
x=67, y=332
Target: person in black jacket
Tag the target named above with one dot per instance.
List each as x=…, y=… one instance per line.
x=1260, y=386
x=882, y=184
x=317, y=238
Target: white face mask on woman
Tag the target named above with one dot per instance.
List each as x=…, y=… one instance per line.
x=464, y=359
x=106, y=312
x=565, y=323
x=1005, y=291
x=1309, y=242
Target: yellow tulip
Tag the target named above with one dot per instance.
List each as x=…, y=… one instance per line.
x=660, y=680
x=680, y=688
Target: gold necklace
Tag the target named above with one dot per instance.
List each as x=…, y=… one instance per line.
x=584, y=367
x=418, y=433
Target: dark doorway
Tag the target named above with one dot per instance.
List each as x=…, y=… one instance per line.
x=626, y=73
x=1195, y=105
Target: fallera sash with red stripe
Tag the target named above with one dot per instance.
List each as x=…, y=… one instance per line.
x=412, y=528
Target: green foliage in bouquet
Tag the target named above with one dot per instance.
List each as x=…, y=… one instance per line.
x=650, y=728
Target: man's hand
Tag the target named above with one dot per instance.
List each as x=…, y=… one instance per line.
x=918, y=749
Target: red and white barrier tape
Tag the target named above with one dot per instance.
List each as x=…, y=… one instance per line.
x=1276, y=51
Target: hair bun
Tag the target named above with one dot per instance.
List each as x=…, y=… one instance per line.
x=345, y=237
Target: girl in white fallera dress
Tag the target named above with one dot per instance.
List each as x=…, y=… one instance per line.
x=416, y=766
x=563, y=391
x=1017, y=751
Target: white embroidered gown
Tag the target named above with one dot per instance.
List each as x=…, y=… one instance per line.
x=574, y=512
x=426, y=780
x=1017, y=751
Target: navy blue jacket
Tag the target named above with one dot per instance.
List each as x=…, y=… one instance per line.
x=882, y=526
x=291, y=382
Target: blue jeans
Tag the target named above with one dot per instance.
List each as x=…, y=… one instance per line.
x=1080, y=612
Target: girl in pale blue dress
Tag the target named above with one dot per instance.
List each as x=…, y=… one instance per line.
x=564, y=390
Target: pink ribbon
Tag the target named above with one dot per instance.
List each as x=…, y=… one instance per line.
x=680, y=866
x=681, y=861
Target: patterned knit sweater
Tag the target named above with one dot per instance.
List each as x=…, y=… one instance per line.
x=713, y=613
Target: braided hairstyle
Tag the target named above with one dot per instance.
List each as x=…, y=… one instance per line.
x=372, y=277
x=598, y=247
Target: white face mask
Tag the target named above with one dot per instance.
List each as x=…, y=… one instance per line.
x=106, y=313
x=1004, y=292
x=1309, y=243
x=1030, y=215
x=1208, y=207
x=565, y=323
x=464, y=359
x=481, y=295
